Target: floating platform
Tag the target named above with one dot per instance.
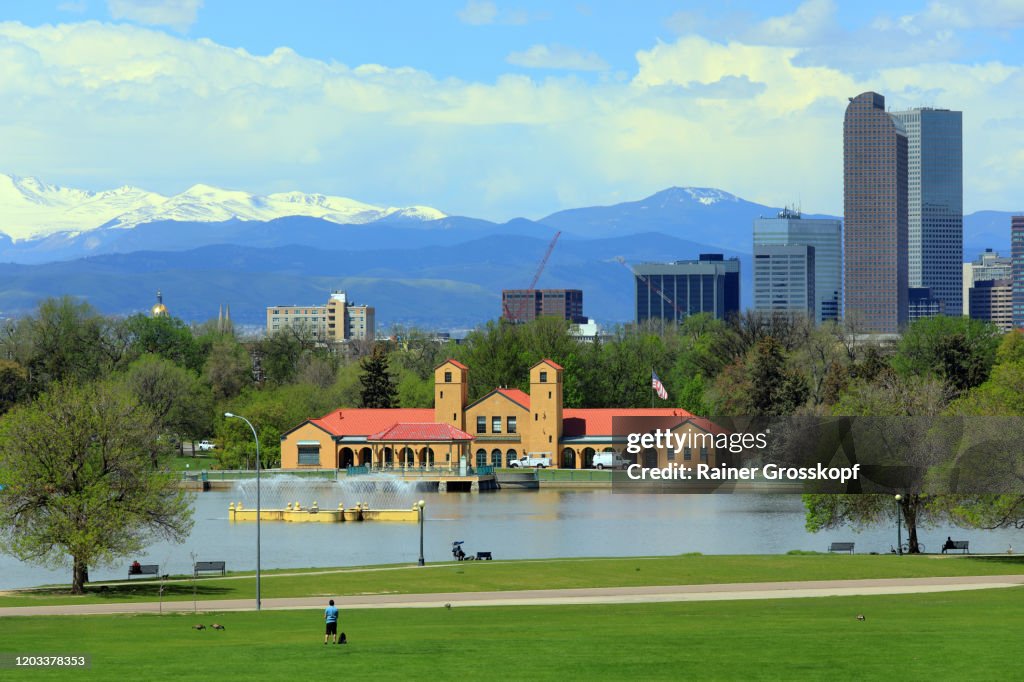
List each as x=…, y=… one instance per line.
x=298, y=514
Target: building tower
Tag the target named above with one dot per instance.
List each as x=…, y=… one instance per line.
x=1017, y=256
x=545, y=429
x=935, y=202
x=789, y=228
x=451, y=393
x=875, y=213
x=159, y=310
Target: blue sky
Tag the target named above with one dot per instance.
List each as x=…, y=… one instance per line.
x=496, y=109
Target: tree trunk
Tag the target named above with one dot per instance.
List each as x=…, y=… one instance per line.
x=79, y=576
x=910, y=504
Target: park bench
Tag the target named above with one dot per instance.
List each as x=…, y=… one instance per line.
x=208, y=567
x=144, y=569
x=483, y=555
x=841, y=547
x=958, y=544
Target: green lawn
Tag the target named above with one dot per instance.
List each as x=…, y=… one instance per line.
x=956, y=635
x=198, y=463
x=553, y=574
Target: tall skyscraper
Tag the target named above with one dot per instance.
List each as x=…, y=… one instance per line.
x=672, y=291
x=1017, y=254
x=875, y=214
x=935, y=202
x=826, y=236
x=784, y=279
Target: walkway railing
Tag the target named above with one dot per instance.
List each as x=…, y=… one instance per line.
x=419, y=471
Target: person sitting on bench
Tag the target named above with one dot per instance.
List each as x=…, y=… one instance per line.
x=136, y=567
x=949, y=545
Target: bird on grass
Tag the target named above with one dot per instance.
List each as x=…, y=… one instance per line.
x=217, y=626
x=199, y=627
x=860, y=616
x=448, y=606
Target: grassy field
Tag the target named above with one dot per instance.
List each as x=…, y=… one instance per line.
x=956, y=635
x=540, y=574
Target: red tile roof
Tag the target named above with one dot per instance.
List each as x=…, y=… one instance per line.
x=454, y=362
x=552, y=363
x=364, y=421
x=420, y=433
x=598, y=421
x=517, y=396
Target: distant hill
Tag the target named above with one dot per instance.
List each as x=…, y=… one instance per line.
x=436, y=286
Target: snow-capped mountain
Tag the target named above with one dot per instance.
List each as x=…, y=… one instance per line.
x=31, y=209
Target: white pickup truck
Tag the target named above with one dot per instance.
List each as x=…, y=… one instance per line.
x=531, y=461
x=205, y=446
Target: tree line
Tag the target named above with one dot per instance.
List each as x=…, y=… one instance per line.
x=160, y=382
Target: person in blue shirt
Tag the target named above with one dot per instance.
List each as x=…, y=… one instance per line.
x=331, y=617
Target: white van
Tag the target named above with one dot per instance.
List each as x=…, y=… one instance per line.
x=608, y=460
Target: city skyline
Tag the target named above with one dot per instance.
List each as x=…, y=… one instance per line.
x=495, y=109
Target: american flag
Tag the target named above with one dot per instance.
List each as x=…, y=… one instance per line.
x=658, y=387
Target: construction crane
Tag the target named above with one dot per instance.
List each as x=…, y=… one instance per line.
x=681, y=314
x=518, y=315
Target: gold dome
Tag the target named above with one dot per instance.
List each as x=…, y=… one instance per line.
x=159, y=310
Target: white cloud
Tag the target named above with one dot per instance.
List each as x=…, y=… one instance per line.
x=75, y=7
x=478, y=12
x=485, y=12
x=97, y=106
x=557, y=57
x=178, y=14
x=810, y=24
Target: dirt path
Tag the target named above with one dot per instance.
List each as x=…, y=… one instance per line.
x=605, y=595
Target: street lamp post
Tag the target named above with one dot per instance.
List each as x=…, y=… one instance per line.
x=899, y=525
x=257, y=439
x=418, y=507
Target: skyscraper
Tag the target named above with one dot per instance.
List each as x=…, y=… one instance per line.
x=1017, y=254
x=673, y=291
x=935, y=202
x=784, y=279
x=875, y=213
x=826, y=236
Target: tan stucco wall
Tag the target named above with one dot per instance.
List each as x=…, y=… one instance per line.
x=290, y=447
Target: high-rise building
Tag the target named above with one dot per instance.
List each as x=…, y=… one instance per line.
x=935, y=202
x=987, y=266
x=991, y=300
x=524, y=305
x=673, y=291
x=875, y=215
x=337, y=321
x=1017, y=255
x=826, y=236
x=784, y=279
x=922, y=303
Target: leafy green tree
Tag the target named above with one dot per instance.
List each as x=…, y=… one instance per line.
x=79, y=482
x=280, y=354
x=168, y=337
x=181, y=404
x=69, y=340
x=775, y=389
x=379, y=388
x=959, y=350
x=228, y=368
x=14, y=385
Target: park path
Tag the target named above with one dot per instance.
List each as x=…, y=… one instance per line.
x=598, y=595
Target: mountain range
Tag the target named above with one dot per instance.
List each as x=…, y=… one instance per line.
x=416, y=265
